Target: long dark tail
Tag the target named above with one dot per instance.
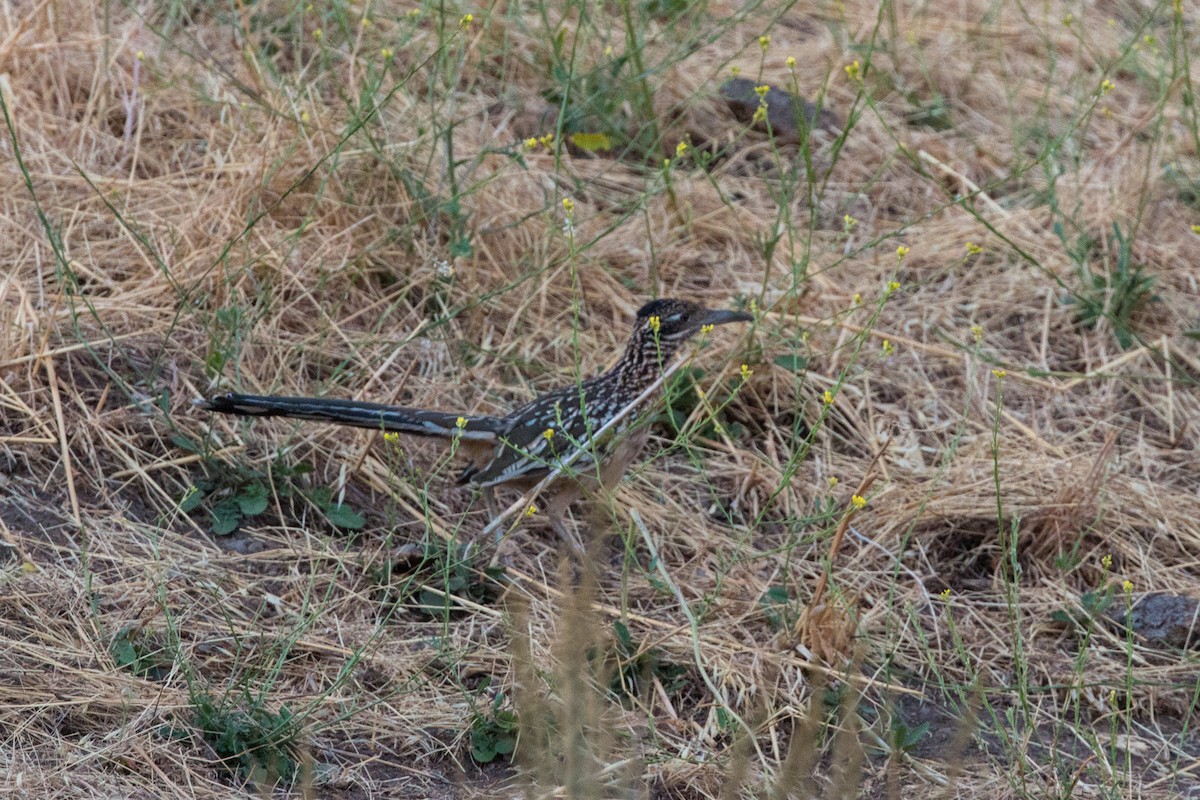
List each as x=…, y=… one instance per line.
x=377, y=416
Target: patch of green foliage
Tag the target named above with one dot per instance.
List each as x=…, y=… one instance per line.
x=637, y=668
x=431, y=581
x=139, y=652
x=1115, y=294
x=235, y=492
x=262, y=745
x=494, y=734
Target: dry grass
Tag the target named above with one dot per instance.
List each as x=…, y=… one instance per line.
x=261, y=200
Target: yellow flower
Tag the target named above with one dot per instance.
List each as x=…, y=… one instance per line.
x=977, y=333
x=391, y=437
x=857, y=299
x=529, y=512
x=707, y=328
x=762, y=90
x=548, y=434
x=827, y=397
x=833, y=481
x=608, y=51
x=735, y=71
x=746, y=372
x=858, y=501
x=888, y=347
x=140, y=55
x=764, y=42
x=568, y=206
x=760, y=114
x=413, y=13
x=848, y=222
x=854, y=71
x=973, y=249
x=1107, y=86
x=318, y=34
x=893, y=286
x=460, y=423
x=366, y=23
x=386, y=53
x=999, y=373
x=304, y=116
x=1127, y=586
x=655, y=323
x=466, y=21
x=546, y=140
x=1068, y=19
x=1106, y=562
x=1196, y=229
x=791, y=62
x=680, y=149
x=901, y=252
x=531, y=143
x=945, y=595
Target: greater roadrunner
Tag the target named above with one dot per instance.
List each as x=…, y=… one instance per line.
x=561, y=426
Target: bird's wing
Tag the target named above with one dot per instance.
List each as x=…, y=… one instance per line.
x=540, y=434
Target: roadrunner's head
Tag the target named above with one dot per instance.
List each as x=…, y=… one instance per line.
x=664, y=325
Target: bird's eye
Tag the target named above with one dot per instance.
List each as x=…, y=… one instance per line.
x=674, y=317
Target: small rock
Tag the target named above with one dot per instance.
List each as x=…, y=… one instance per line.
x=520, y=117
x=241, y=543
x=1165, y=620
x=743, y=100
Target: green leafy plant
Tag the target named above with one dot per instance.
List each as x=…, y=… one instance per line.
x=139, y=652
x=235, y=493
x=1091, y=605
x=494, y=734
x=229, y=324
x=339, y=514
x=792, y=362
x=636, y=668
x=904, y=738
x=607, y=103
x=432, y=579
x=262, y=744
x=1185, y=184
x=1115, y=295
x=683, y=398
x=777, y=605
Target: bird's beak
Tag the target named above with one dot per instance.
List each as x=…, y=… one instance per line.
x=719, y=316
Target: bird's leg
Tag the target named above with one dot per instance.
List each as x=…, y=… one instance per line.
x=556, y=512
x=559, y=523
x=493, y=510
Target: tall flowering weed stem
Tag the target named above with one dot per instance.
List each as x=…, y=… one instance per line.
x=803, y=627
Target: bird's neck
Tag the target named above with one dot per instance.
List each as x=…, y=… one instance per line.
x=645, y=358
